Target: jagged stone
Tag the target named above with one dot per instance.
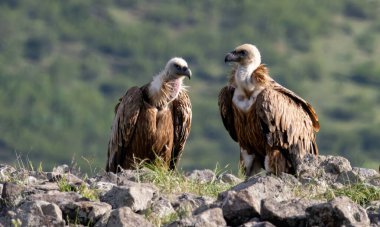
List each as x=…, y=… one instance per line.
x=187, y=203
x=373, y=211
x=69, y=177
x=5, y=172
x=107, y=177
x=39, y=213
x=212, y=217
x=335, y=164
x=61, y=169
x=103, y=187
x=125, y=176
x=161, y=207
x=123, y=217
x=12, y=193
x=47, y=186
x=255, y=222
x=202, y=176
x=85, y=212
x=243, y=202
x=286, y=213
x=56, y=197
x=229, y=179
x=341, y=211
x=137, y=197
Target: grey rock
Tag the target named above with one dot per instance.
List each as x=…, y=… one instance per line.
x=123, y=216
x=138, y=197
x=358, y=175
x=70, y=178
x=61, y=169
x=375, y=181
x=373, y=212
x=162, y=207
x=103, y=187
x=341, y=211
x=212, y=217
x=125, y=176
x=85, y=212
x=107, y=177
x=5, y=172
x=243, y=202
x=349, y=177
x=47, y=186
x=286, y=213
x=202, y=176
x=31, y=180
x=57, y=197
x=229, y=178
x=187, y=203
x=39, y=213
x=255, y=222
x=40, y=176
x=365, y=173
x=12, y=193
x=335, y=164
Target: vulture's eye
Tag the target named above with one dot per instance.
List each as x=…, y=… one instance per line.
x=243, y=53
x=177, y=66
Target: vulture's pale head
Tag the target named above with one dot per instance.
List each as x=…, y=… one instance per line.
x=245, y=55
x=177, y=68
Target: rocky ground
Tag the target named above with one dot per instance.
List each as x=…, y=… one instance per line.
x=64, y=198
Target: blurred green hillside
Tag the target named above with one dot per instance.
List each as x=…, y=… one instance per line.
x=64, y=64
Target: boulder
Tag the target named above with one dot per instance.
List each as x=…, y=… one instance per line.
x=243, y=202
x=340, y=211
x=138, y=197
x=286, y=213
x=161, y=207
x=212, y=217
x=123, y=216
x=373, y=211
x=5, y=172
x=229, y=178
x=57, y=197
x=202, y=176
x=38, y=213
x=85, y=212
x=255, y=222
x=103, y=187
x=12, y=193
x=186, y=203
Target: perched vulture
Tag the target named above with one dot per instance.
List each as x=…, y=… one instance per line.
x=275, y=128
x=152, y=121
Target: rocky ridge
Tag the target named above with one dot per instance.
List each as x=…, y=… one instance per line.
x=64, y=198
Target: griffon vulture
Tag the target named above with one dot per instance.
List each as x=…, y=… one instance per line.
x=275, y=128
x=152, y=121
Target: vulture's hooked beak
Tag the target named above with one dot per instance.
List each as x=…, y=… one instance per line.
x=187, y=72
x=231, y=57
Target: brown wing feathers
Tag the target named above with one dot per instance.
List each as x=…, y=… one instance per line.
x=226, y=111
x=126, y=114
x=182, y=122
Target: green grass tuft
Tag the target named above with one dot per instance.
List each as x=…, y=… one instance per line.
x=360, y=193
x=174, y=182
x=65, y=186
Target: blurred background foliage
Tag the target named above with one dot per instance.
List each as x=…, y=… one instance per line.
x=64, y=64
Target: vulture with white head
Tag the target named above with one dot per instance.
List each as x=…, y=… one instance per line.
x=152, y=121
x=275, y=128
